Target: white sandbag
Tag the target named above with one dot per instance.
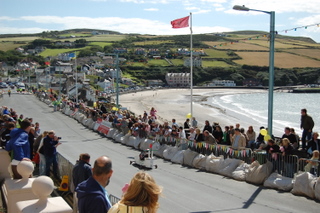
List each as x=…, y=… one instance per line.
x=92, y=124
x=169, y=152
x=228, y=166
x=89, y=123
x=188, y=157
x=213, y=163
x=111, y=133
x=131, y=141
x=199, y=162
x=118, y=137
x=277, y=181
x=240, y=172
x=125, y=139
x=317, y=189
x=159, y=152
x=116, y=132
x=178, y=157
x=137, y=142
x=304, y=185
x=257, y=173
x=81, y=117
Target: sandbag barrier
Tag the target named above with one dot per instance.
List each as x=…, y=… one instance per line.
x=308, y=165
x=222, y=159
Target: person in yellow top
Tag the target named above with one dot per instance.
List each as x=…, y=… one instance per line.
x=9, y=92
x=141, y=196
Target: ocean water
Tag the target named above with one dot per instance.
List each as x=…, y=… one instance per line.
x=253, y=108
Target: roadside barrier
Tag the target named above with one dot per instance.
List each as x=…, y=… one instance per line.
x=308, y=165
x=221, y=159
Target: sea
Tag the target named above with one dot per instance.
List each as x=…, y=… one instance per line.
x=253, y=109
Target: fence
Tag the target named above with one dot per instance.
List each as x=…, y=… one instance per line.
x=308, y=165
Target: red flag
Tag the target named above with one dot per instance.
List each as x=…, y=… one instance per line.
x=180, y=23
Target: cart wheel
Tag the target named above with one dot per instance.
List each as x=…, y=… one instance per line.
x=156, y=166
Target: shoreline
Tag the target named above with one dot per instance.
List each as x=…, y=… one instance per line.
x=169, y=107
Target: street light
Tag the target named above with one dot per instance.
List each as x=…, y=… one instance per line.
x=271, y=61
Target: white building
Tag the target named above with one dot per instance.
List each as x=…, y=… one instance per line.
x=196, y=62
x=105, y=85
x=222, y=83
x=178, y=79
x=112, y=73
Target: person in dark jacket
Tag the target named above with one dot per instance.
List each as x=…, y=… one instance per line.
x=50, y=143
x=92, y=195
x=5, y=136
x=292, y=138
x=207, y=127
x=313, y=144
x=307, y=125
x=19, y=144
x=82, y=170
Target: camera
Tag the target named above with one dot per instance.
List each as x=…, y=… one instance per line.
x=59, y=138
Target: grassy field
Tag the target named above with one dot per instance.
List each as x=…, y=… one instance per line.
x=5, y=46
x=177, y=62
x=242, y=45
x=76, y=34
x=158, y=62
x=313, y=53
x=55, y=52
x=106, y=38
x=25, y=39
x=282, y=60
x=213, y=53
x=136, y=64
x=143, y=43
x=215, y=64
x=101, y=44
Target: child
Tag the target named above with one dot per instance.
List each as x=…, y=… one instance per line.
x=312, y=163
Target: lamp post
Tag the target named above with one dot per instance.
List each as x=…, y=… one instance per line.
x=271, y=61
x=117, y=76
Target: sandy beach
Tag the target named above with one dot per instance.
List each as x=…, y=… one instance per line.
x=175, y=103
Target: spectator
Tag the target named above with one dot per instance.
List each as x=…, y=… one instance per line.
x=194, y=122
x=141, y=196
x=192, y=134
x=292, y=138
x=50, y=144
x=287, y=150
x=82, y=170
x=245, y=135
x=226, y=136
x=313, y=144
x=91, y=193
x=218, y=134
x=174, y=123
x=297, y=138
x=251, y=136
x=19, y=144
x=5, y=136
x=209, y=138
x=153, y=112
x=42, y=159
x=198, y=137
x=31, y=140
x=182, y=133
x=307, y=125
x=207, y=126
x=238, y=141
x=186, y=124
x=313, y=164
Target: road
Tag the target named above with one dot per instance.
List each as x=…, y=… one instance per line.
x=184, y=189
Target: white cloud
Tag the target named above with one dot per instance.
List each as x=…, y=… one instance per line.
x=151, y=9
x=220, y=9
x=145, y=1
x=192, y=8
x=123, y=25
x=7, y=18
x=31, y=30
x=201, y=11
x=310, y=20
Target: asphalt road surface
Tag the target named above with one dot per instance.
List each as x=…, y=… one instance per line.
x=184, y=189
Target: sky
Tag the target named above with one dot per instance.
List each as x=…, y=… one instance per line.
x=154, y=16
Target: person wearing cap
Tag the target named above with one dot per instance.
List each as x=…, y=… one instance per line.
x=238, y=140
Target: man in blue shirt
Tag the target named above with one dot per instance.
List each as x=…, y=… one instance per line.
x=92, y=195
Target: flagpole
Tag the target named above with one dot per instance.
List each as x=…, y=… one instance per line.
x=191, y=69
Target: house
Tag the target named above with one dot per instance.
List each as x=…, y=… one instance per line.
x=140, y=51
x=112, y=73
x=155, y=83
x=178, y=79
x=64, y=57
x=108, y=61
x=20, y=50
x=196, y=62
x=120, y=50
x=154, y=52
x=251, y=82
x=222, y=83
x=65, y=43
x=61, y=67
x=183, y=51
x=39, y=49
x=105, y=84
